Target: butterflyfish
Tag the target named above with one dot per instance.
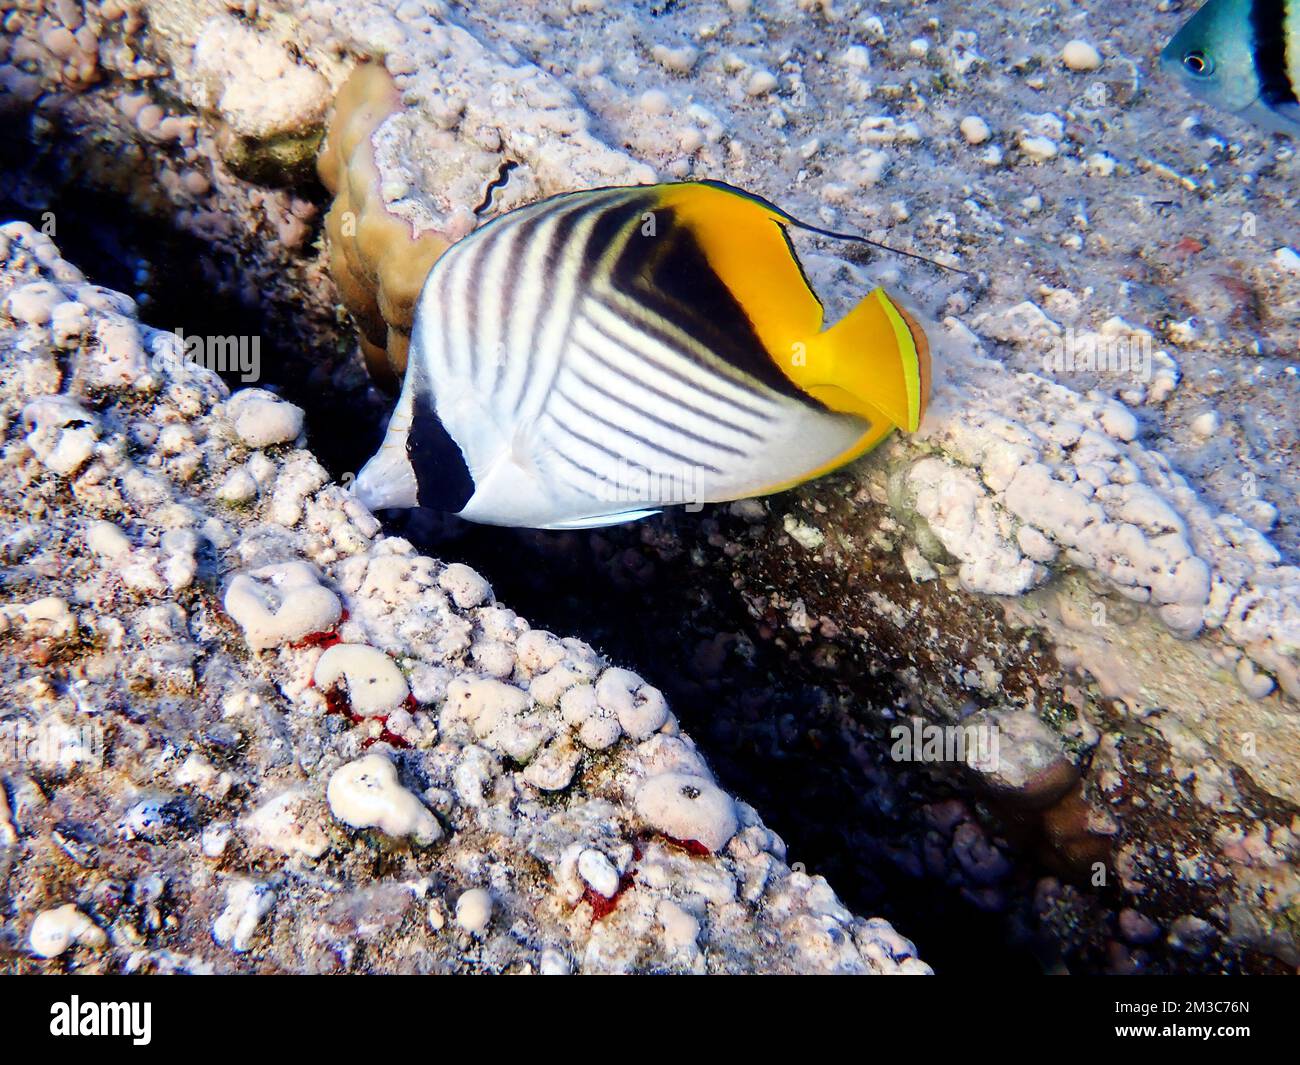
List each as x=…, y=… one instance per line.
x=594, y=357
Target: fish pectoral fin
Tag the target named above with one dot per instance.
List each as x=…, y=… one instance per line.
x=873, y=362
x=526, y=444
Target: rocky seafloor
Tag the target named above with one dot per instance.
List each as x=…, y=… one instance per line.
x=1095, y=563
x=247, y=731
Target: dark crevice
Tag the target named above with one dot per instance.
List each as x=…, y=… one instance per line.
x=180, y=282
x=774, y=738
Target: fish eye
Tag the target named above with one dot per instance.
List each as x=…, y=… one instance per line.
x=1198, y=64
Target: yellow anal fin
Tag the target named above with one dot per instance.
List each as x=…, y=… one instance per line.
x=874, y=362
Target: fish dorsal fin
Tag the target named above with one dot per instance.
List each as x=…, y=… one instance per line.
x=745, y=242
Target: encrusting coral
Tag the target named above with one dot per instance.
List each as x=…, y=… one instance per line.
x=376, y=261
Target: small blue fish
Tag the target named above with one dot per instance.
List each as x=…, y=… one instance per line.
x=1243, y=56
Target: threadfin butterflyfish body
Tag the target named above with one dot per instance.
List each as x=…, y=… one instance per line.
x=594, y=357
x=1243, y=56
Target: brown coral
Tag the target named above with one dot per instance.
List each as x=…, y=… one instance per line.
x=377, y=264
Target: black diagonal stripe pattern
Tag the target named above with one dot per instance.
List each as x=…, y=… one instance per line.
x=654, y=329
x=560, y=239
x=511, y=273
x=615, y=429
x=572, y=243
x=1268, y=28
x=592, y=351
x=669, y=274
x=636, y=410
x=474, y=295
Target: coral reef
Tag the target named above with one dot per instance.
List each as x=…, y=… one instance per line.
x=377, y=264
x=179, y=795
x=1090, y=548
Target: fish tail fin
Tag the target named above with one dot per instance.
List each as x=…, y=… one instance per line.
x=875, y=362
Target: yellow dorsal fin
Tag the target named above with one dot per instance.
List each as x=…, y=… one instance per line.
x=744, y=241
